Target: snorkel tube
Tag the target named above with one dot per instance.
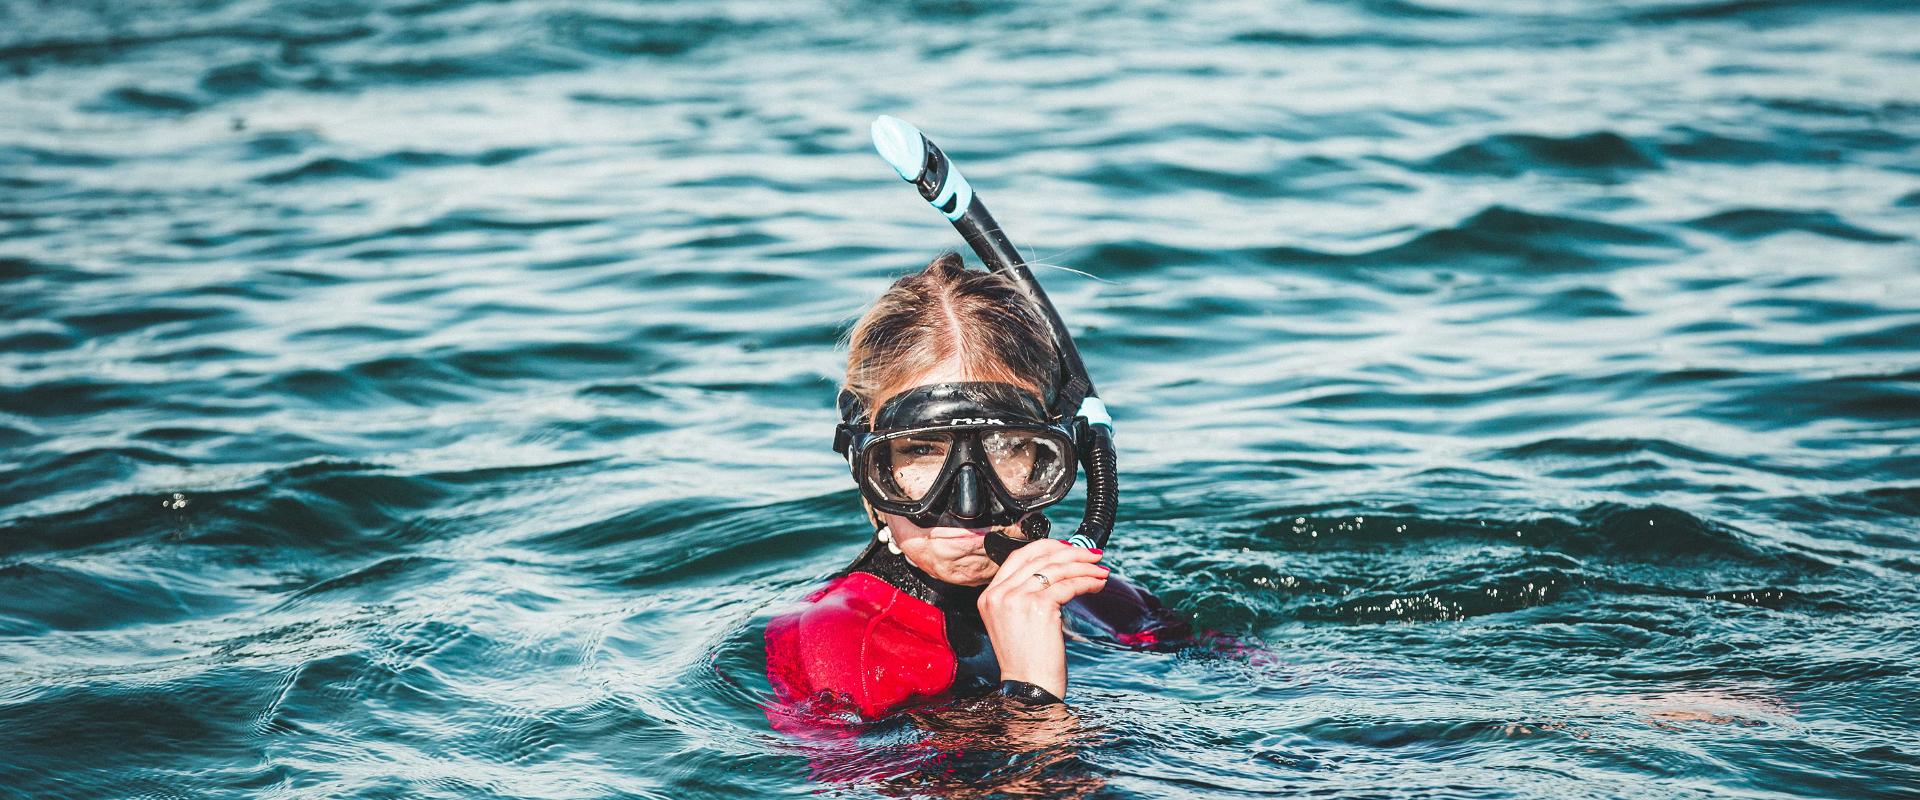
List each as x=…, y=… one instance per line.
x=919, y=162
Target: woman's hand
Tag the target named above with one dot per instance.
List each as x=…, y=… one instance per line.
x=1022, y=612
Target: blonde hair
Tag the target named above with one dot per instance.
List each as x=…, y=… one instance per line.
x=948, y=312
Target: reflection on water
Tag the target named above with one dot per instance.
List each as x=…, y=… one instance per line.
x=432, y=399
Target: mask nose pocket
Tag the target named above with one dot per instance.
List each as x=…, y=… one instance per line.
x=966, y=493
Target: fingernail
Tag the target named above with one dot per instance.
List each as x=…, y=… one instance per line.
x=1094, y=550
x=1104, y=569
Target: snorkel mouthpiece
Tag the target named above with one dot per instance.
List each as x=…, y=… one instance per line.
x=901, y=145
x=917, y=160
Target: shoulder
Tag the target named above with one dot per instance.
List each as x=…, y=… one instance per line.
x=863, y=642
x=854, y=606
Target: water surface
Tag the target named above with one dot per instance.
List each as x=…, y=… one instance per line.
x=432, y=399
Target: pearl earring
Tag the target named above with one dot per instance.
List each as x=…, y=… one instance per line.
x=886, y=535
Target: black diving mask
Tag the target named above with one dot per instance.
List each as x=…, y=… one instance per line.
x=961, y=455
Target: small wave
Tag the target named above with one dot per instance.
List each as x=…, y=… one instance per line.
x=39, y=597
x=325, y=169
x=1511, y=154
x=316, y=508
x=1662, y=532
x=619, y=37
x=1315, y=177
x=1580, y=448
x=119, y=42
x=43, y=474
x=1406, y=9
x=388, y=165
x=152, y=101
x=1688, y=143
x=1119, y=259
x=1640, y=533
x=535, y=361
x=690, y=539
x=409, y=380
x=120, y=321
x=1579, y=303
x=1873, y=397
x=19, y=155
x=1453, y=597
x=1395, y=567
x=68, y=397
x=38, y=341
x=1893, y=501
x=515, y=62
x=1502, y=238
x=1755, y=223
x=1300, y=38
x=376, y=577
x=623, y=391
x=351, y=334
x=1759, y=10
x=253, y=77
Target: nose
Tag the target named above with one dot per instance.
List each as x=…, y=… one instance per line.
x=966, y=493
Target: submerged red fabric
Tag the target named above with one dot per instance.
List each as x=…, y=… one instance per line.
x=861, y=644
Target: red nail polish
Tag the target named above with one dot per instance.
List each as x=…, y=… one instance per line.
x=1094, y=550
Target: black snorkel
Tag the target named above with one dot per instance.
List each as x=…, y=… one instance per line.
x=921, y=163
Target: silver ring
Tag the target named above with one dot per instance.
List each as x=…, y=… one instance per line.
x=1044, y=581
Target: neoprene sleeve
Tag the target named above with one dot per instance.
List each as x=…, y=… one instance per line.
x=1028, y=694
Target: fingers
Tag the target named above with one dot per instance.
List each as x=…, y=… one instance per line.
x=1072, y=581
x=1038, y=556
x=1067, y=576
x=1023, y=560
x=1068, y=562
x=1059, y=573
x=1063, y=592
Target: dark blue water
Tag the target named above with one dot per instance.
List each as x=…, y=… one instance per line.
x=432, y=399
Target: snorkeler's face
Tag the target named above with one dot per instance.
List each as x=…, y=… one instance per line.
x=954, y=555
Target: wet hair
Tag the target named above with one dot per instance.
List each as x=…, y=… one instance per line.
x=947, y=312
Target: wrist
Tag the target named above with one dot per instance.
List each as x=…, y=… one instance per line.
x=1028, y=694
x=1052, y=682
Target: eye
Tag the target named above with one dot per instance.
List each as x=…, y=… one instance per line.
x=917, y=449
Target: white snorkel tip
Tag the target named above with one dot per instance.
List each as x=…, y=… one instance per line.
x=901, y=145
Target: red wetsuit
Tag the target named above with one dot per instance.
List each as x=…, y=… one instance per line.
x=863, y=643
x=885, y=636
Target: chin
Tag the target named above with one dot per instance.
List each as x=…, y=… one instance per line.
x=969, y=574
x=966, y=568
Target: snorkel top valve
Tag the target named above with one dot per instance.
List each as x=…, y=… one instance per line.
x=918, y=161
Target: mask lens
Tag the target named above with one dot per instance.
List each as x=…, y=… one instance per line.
x=903, y=469
x=1030, y=465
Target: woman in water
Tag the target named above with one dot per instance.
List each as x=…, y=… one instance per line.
x=945, y=424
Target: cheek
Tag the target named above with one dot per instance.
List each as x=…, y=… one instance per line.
x=903, y=529
x=942, y=550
